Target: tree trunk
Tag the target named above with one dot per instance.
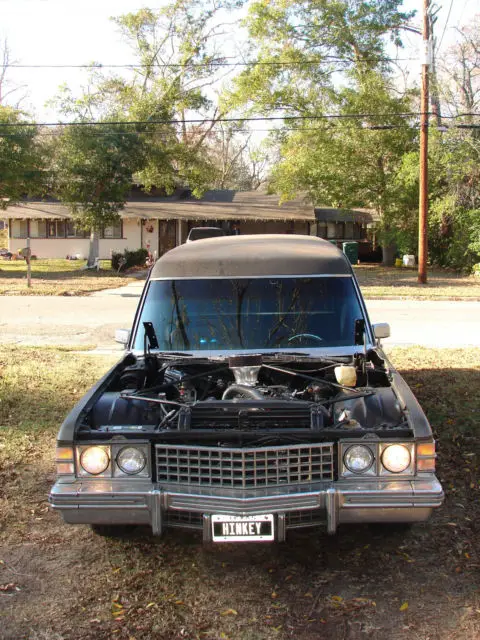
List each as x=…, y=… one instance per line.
x=388, y=254
x=93, y=248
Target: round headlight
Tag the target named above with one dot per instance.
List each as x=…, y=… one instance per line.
x=396, y=458
x=94, y=460
x=131, y=460
x=358, y=458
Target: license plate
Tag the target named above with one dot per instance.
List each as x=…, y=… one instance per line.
x=242, y=528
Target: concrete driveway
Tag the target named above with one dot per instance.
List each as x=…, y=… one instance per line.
x=92, y=320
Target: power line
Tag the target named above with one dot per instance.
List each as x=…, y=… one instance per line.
x=188, y=65
x=412, y=127
x=176, y=121
x=122, y=123
x=446, y=24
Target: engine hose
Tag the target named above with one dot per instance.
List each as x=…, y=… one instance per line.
x=242, y=391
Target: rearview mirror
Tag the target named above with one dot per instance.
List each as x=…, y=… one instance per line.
x=381, y=330
x=122, y=336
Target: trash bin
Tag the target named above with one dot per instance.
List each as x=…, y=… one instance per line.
x=350, y=249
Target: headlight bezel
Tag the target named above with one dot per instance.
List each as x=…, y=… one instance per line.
x=366, y=469
x=82, y=472
x=407, y=449
x=114, y=470
x=376, y=470
x=119, y=466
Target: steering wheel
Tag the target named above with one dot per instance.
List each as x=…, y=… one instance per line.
x=306, y=335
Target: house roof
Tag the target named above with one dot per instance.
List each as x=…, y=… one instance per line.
x=214, y=205
x=327, y=214
x=224, y=204
x=252, y=255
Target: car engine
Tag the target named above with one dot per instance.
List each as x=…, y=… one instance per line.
x=282, y=395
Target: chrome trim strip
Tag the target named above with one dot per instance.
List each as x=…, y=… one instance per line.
x=264, y=277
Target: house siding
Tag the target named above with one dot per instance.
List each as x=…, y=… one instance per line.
x=62, y=247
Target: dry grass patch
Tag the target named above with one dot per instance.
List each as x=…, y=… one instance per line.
x=61, y=582
x=391, y=282
x=57, y=277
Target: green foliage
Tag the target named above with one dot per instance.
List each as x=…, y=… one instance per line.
x=94, y=170
x=21, y=161
x=345, y=164
x=128, y=259
x=342, y=162
x=454, y=208
x=339, y=35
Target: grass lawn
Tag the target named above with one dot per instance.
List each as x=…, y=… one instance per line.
x=57, y=277
x=59, y=582
x=391, y=282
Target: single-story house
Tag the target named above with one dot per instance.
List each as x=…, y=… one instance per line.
x=161, y=223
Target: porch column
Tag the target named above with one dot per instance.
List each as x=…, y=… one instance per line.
x=179, y=232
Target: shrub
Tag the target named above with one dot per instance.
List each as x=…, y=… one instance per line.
x=128, y=259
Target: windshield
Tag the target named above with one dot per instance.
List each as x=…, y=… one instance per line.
x=256, y=313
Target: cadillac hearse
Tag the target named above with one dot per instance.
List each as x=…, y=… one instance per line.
x=253, y=398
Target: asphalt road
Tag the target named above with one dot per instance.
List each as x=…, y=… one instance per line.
x=49, y=320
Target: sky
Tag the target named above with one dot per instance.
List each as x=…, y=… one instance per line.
x=72, y=32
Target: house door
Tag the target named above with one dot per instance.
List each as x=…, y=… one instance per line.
x=166, y=236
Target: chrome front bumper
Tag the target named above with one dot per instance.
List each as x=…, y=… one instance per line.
x=141, y=502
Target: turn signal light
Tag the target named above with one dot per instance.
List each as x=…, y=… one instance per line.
x=64, y=460
x=426, y=456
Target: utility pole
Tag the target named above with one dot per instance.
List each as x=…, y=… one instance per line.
x=424, y=106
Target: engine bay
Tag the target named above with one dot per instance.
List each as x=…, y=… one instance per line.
x=285, y=394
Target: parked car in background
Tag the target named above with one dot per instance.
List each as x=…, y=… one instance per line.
x=253, y=398
x=201, y=233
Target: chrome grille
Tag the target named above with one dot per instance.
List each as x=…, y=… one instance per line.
x=244, y=468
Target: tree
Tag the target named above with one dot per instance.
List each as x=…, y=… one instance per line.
x=328, y=58
x=460, y=72
x=351, y=162
x=8, y=88
x=21, y=159
x=304, y=49
x=94, y=167
x=175, y=48
x=237, y=163
x=177, y=63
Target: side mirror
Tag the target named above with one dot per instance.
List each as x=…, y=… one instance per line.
x=381, y=330
x=122, y=336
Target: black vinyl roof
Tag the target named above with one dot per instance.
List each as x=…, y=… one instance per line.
x=254, y=255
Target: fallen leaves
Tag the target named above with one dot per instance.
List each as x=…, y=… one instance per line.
x=229, y=612
x=404, y=606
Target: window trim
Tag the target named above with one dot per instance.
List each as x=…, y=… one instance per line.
x=120, y=237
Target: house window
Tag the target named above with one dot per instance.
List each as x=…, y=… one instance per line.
x=56, y=228
x=73, y=231
x=331, y=230
x=322, y=230
x=38, y=228
x=113, y=231
x=20, y=229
